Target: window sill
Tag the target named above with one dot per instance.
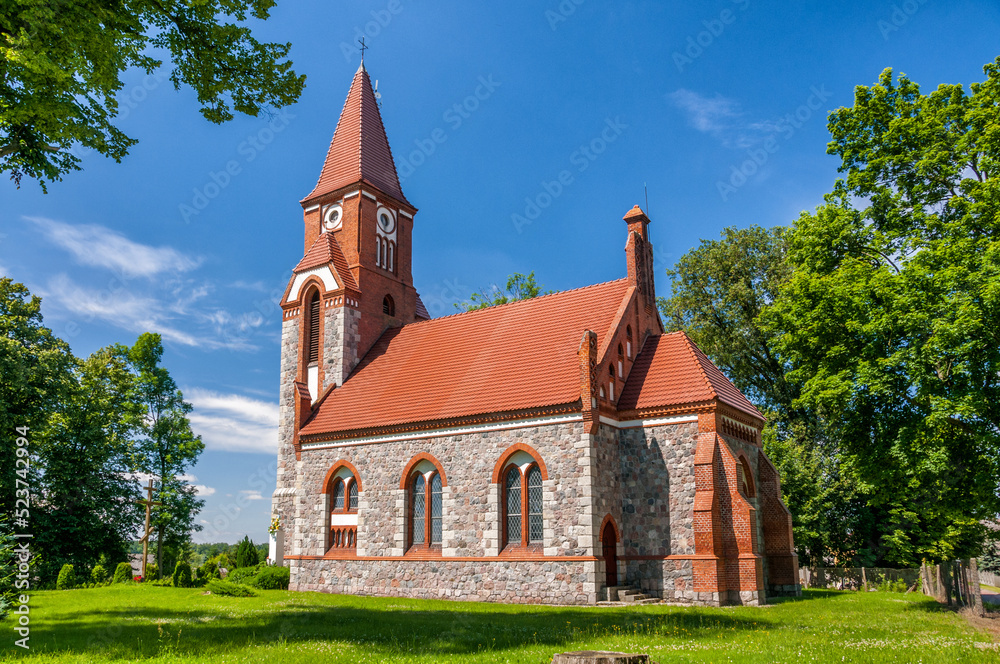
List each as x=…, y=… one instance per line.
x=519, y=551
x=423, y=552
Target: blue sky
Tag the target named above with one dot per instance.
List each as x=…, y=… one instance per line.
x=718, y=107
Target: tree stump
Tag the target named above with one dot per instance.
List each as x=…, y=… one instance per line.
x=600, y=657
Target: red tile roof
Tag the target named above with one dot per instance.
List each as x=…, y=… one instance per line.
x=510, y=357
x=359, y=150
x=326, y=250
x=671, y=370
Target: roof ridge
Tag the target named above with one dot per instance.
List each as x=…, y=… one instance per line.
x=521, y=301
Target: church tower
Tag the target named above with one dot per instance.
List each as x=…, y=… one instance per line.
x=353, y=281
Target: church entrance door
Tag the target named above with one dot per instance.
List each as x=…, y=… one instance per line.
x=610, y=545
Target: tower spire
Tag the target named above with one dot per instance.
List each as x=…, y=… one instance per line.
x=359, y=151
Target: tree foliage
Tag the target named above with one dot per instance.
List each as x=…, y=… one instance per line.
x=61, y=66
x=519, y=287
x=718, y=292
x=891, y=318
x=86, y=492
x=167, y=447
x=246, y=554
x=35, y=373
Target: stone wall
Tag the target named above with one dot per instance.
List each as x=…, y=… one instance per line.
x=470, y=515
x=657, y=480
x=513, y=581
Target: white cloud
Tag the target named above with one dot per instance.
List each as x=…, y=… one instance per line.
x=202, y=490
x=721, y=117
x=233, y=422
x=708, y=114
x=250, y=494
x=99, y=246
x=136, y=312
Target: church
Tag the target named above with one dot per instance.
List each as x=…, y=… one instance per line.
x=545, y=451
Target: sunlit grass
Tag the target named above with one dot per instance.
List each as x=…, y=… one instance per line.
x=142, y=623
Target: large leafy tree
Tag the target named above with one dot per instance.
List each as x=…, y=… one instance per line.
x=35, y=374
x=718, y=291
x=61, y=66
x=87, y=492
x=168, y=448
x=891, y=318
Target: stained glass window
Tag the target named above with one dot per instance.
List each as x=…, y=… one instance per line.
x=534, y=505
x=419, y=509
x=436, y=509
x=513, y=491
x=353, y=496
x=338, y=495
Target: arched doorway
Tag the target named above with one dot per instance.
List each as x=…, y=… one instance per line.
x=610, y=546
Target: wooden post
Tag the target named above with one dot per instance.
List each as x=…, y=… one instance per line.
x=148, y=502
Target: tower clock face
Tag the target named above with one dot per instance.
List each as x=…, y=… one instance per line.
x=385, y=221
x=333, y=218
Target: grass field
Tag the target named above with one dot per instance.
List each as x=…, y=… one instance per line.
x=149, y=624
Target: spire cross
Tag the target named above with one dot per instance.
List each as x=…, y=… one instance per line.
x=363, y=48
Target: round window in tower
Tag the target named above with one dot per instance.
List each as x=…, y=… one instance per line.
x=334, y=218
x=385, y=221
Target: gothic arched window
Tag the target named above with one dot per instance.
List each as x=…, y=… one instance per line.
x=388, y=306
x=628, y=340
x=621, y=362
x=425, y=510
x=522, y=506
x=343, y=492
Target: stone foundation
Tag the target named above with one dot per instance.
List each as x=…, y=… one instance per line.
x=510, y=581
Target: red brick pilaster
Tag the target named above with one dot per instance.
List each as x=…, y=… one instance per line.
x=588, y=381
x=779, y=547
x=708, y=575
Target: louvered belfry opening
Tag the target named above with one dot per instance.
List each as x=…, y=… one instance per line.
x=313, y=355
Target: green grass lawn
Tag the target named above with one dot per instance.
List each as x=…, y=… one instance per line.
x=149, y=624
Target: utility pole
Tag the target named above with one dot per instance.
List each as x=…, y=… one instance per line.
x=148, y=502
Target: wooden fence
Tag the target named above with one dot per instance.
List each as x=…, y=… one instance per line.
x=955, y=583
x=989, y=578
x=855, y=578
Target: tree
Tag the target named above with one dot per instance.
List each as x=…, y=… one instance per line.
x=87, y=491
x=8, y=569
x=246, y=554
x=519, y=287
x=35, y=372
x=168, y=447
x=718, y=292
x=63, y=60
x=891, y=317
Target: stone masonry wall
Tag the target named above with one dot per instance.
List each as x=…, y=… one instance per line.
x=470, y=515
x=513, y=581
x=340, y=343
x=282, y=503
x=657, y=478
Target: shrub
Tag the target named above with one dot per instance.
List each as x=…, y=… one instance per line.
x=220, y=587
x=67, y=578
x=242, y=574
x=152, y=571
x=123, y=573
x=246, y=554
x=98, y=575
x=271, y=578
x=166, y=583
x=209, y=570
x=182, y=575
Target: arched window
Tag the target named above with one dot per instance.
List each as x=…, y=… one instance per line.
x=611, y=383
x=744, y=478
x=522, y=503
x=388, y=263
x=338, y=496
x=313, y=340
x=342, y=517
x=425, y=510
x=628, y=341
x=621, y=362
x=419, y=510
x=388, y=306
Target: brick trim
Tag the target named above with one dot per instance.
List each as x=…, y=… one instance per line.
x=610, y=519
x=423, y=456
x=527, y=556
x=501, y=464
x=337, y=465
